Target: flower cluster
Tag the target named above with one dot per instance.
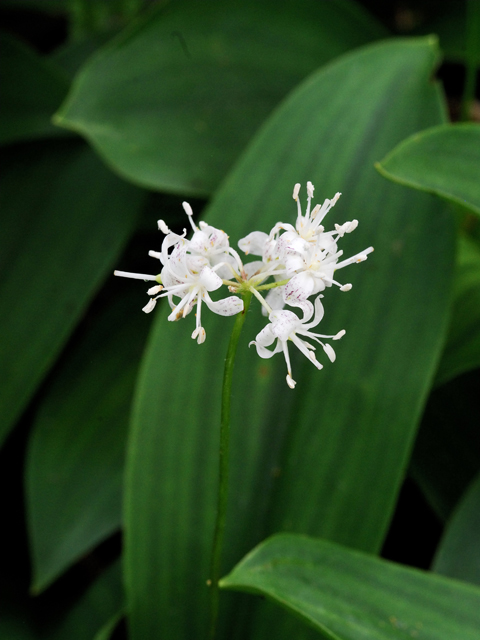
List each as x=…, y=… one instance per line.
x=301, y=260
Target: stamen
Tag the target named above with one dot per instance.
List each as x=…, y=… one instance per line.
x=163, y=227
x=154, y=290
x=135, y=276
x=359, y=257
x=290, y=381
x=187, y=208
x=296, y=191
x=150, y=305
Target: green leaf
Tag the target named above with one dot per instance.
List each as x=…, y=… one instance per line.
x=458, y=555
x=327, y=458
x=172, y=102
x=60, y=237
x=32, y=90
x=462, y=349
x=94, y=610
x=444, y=160
x=346, y=595
x=446, y=456
x=109, y=627
x=74, y=472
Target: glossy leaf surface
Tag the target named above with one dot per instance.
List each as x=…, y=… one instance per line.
x=458, y=555
x=446, y=457
x=60, y=237
x=74, y=476
x=462, y=349
x=32, y=90
x=327, y=458
x=444, y=160
x=346, y=595
x=172, y=102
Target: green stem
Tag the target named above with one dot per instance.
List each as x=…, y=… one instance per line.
x=472, y=51
x=223, y=464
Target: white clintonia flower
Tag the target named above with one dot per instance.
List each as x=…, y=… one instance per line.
x=190, y=273
x=301, y=260
x=285, y=326
x=306, y=254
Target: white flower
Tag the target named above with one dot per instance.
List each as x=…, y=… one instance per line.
x=190, y=271
x=305, y=253
x=190, y=278
x=285, y=326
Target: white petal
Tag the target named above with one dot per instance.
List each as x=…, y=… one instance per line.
x=254, y=243
x=274, y=299
x=299, y=288
x=265, y=338
x=209, y=279
x=251, y=268
x=284, y=323
x=319, y=312
x=226, y=307
x=150, y=306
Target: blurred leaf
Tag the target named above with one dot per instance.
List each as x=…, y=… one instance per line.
x=172, y=102
x=103, y=600
x=458, y=555
x=446, y=456
x=109, y=627
x=449, y=22
x=348, y=595
x=60, y=237
x=462, y=349
x=444, y=160
x=74, y=472
x=71, y=56
x=14, y=624
x=32, y=90
x=327, y=458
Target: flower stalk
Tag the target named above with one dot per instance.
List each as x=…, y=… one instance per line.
x=223, y=468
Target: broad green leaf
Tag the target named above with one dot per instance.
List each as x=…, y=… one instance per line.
x=346, y=595
x=444, y=160
x=108, y=628
x=32, y=90
x=60, y=237
x=173, y=100
x=74, y=472
x=94, y=610
x=462, y=349
x=446, y=456
x=458, y=555
x=327, y=458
